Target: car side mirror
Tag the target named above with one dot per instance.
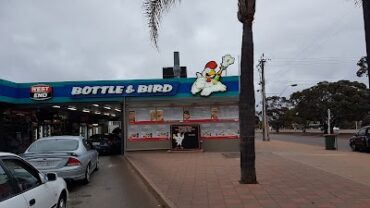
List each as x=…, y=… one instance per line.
x=51, y=176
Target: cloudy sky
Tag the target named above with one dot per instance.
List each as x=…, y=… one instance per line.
x=307, y=40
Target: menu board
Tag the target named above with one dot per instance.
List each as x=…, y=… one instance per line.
x=228, y=112
x=148, y=131
x=230, y=129
x=171, y=113
x=193, y=113
x=141, y=114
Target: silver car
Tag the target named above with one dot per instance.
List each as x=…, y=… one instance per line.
x=68, y=156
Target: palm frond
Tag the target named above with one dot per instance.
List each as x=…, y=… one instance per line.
x=154, y=10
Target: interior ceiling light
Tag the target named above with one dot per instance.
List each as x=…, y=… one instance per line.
x=96, y=105
x=118, y=110
x=72, y=108
x=114, y=115
x=106, y=114
x=97, y=112
x=95, y=124
x=86, y=110
x=107, y=107
x=55, y=106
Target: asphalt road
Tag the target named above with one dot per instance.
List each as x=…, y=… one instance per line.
x=115, y=184
x=309, y=139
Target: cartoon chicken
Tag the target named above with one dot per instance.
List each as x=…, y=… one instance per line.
x=208, y=81
x=179, y=137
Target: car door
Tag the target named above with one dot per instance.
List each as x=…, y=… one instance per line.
x=10, y=195
x=27, y=178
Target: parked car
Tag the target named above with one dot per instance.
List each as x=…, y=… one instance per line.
x=68, y=156
x=106, y=143
x=23, y=186
x=361, y=140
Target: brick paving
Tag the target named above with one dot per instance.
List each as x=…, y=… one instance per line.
x=289, y=175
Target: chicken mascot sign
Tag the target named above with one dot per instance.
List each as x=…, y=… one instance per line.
x=209, y=81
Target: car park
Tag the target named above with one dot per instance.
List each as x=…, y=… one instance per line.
x=361, y=140
x=23, y=186
x=68, y=156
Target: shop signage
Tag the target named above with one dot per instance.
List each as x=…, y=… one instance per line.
x=209, y=80
x=185, y=136
x=41, y=92
x=164, y=89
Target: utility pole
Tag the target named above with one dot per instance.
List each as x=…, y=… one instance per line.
x=261, y=66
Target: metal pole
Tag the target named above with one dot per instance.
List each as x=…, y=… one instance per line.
x=123, y=126
x=176, y=65
x=329, y=131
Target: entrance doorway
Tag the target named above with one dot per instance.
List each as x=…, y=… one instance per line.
x=77, y=119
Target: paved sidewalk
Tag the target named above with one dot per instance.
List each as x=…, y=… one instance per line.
x=289, y=175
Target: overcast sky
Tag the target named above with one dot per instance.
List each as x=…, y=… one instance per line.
x=307, y=40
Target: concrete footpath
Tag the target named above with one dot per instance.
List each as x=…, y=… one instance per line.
x=289, y=175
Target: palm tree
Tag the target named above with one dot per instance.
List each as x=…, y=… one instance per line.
x=246, y=10
x=366, y=11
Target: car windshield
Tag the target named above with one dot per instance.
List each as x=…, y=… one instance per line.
x=54, y=145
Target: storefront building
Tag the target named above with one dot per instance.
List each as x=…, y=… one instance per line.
x=175, y=114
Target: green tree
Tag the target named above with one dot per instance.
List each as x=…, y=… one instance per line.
x=348, y=101
x=246, y=10
x=278, y=112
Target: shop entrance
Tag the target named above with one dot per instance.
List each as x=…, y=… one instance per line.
x=83, y=119
x=185, y=137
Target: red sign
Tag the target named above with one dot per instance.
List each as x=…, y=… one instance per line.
x=41, y=92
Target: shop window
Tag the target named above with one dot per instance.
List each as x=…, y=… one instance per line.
x=195, y=113
x=229, y=130
x=228, y=112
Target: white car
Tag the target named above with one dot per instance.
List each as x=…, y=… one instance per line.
x=23, y=186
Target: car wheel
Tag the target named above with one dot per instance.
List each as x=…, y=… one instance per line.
x=87, y=175
x=62, y=202
x=354, y=148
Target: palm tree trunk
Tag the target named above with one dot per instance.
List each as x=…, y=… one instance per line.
x=366, y=10
x=247, y=108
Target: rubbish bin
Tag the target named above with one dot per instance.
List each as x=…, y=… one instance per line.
x=330, y=141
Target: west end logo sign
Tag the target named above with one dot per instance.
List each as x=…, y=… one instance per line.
x=155, y=89
x=41, y=92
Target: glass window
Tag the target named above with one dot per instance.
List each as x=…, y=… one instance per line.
x=362, y=132
x=86, y=144
x=228, y=112
x=191, y=113
x=6, y=188
x=26, y=177
x=54, y=145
